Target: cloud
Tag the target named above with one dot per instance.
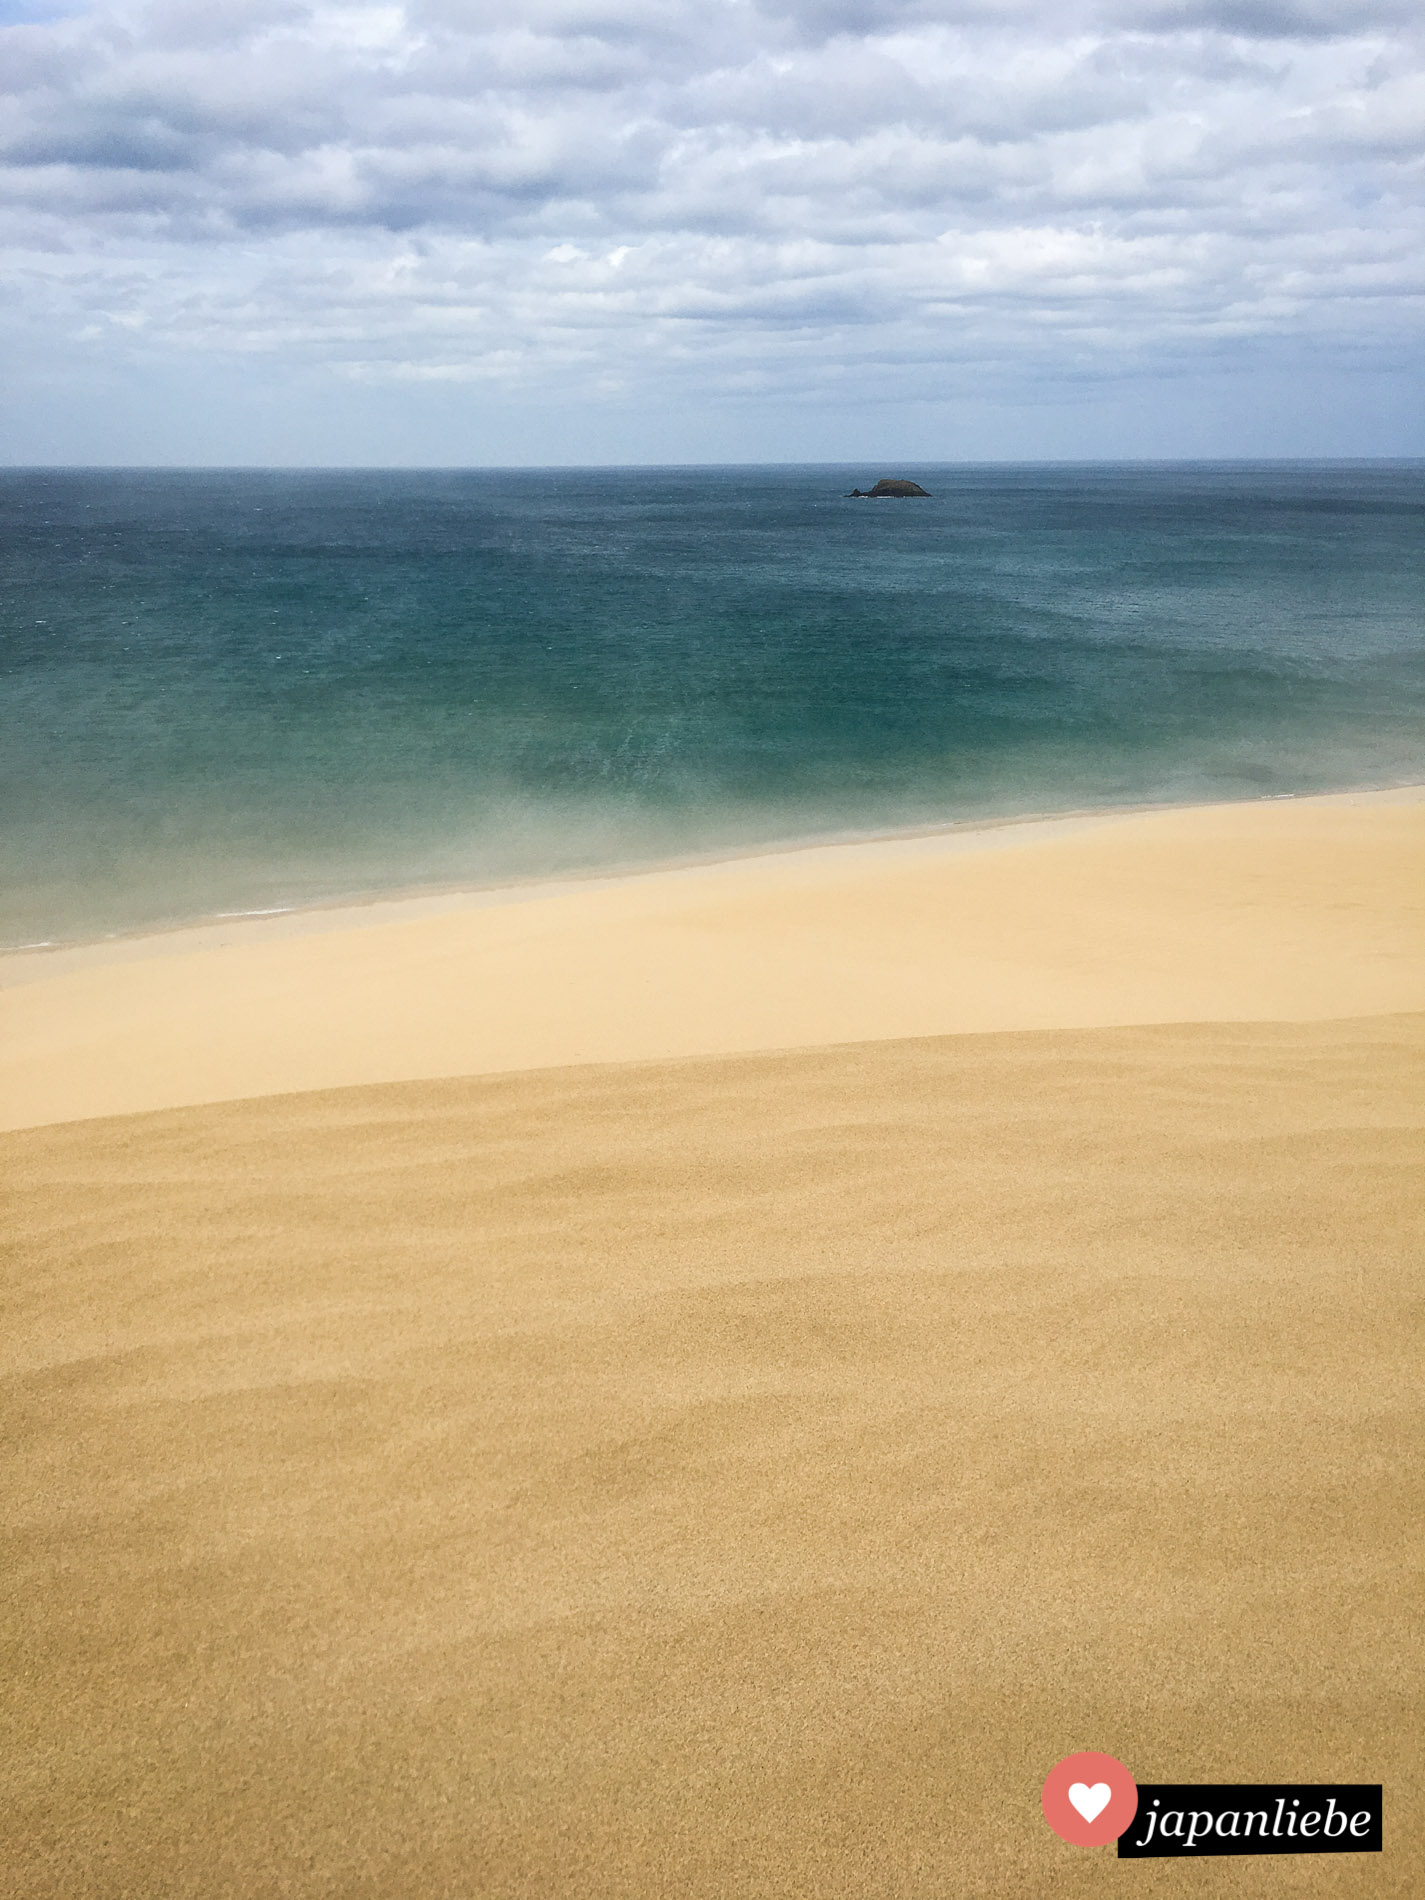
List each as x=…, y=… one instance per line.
x=728, y=197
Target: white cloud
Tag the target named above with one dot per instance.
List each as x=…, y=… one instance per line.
x=602, y=194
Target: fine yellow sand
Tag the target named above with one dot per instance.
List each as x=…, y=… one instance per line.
x=729, y=1478
x=1286, y=910
x=741, y=1475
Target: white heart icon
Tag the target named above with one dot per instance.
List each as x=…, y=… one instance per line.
x=1091, y=1802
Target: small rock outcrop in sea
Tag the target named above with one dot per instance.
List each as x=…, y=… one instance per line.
x=883, y=488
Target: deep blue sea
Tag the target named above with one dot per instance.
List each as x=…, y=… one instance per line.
x=237, y=691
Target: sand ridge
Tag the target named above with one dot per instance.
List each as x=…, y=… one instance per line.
x=1276, y=910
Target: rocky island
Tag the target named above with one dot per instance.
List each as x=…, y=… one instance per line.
x=900, y=489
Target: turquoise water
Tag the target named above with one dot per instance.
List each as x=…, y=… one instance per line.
x=239, y=691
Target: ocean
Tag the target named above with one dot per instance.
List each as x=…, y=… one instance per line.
x=240, y=691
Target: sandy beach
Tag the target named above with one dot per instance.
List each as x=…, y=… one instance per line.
x=710, y=1383
x=1285, y=910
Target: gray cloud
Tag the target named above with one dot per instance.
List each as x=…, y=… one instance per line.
x=723, y=198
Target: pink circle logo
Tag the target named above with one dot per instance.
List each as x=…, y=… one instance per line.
x=1089, y=1799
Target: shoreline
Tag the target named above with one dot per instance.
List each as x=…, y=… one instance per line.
x=1286, y=909
x=22, y=963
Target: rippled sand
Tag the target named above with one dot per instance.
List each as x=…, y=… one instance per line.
x=737, y=1475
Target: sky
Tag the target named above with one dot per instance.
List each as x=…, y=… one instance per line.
x=629, y=231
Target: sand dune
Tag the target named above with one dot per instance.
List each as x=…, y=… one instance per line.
x=720, y=1478
x=742, y=1474
x=1290, y=910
